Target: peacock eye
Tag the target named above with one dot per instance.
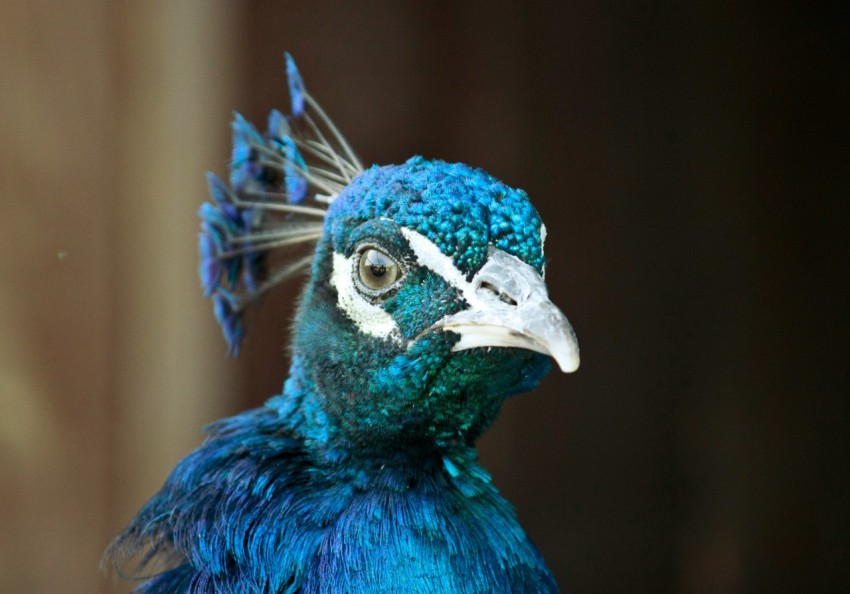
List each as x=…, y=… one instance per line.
x=377, y=270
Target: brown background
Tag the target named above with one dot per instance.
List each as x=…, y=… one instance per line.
x=690, y=160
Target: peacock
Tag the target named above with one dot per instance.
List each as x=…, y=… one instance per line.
x=426, y=307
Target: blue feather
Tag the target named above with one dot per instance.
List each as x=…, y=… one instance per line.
x=251, y=512
x=296, y=86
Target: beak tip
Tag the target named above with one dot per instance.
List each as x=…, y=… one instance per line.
x=568, y=364
x=567, y=358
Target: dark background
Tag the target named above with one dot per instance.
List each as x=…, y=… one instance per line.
x=690, y=160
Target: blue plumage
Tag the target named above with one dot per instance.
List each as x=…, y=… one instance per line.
x=250, y=511
x=426, y=308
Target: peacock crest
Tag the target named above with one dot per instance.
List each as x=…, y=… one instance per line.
x=281, y=184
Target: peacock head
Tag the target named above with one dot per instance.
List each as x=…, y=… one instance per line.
x=426, y=306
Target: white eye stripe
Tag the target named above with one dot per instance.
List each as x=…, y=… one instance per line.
x=479, y=292
x=429, y=255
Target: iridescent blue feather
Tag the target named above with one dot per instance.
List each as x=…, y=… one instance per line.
x=249, y=512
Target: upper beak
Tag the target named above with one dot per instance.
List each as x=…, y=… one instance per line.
x=509, y=307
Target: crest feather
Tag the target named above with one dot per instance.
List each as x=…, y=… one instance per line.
x=281, y=183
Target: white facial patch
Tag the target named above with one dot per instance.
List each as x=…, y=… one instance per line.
x=542, y=241
x=368, y=317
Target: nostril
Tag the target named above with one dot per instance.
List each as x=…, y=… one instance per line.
x=507, y=299
x=485, y=286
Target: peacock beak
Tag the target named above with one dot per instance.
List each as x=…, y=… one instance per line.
x=509, y=307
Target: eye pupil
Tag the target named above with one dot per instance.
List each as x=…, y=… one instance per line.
x=377, y=270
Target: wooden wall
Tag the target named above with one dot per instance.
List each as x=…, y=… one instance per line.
x=109, y=361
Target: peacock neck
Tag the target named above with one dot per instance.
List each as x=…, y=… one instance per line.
x=301, y=409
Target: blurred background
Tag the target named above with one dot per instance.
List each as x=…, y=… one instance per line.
x=690, y=160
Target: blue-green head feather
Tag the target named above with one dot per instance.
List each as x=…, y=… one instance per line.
x=424, y=309
x=386, y=377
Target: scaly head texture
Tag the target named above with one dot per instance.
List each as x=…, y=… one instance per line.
x=425, y=309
